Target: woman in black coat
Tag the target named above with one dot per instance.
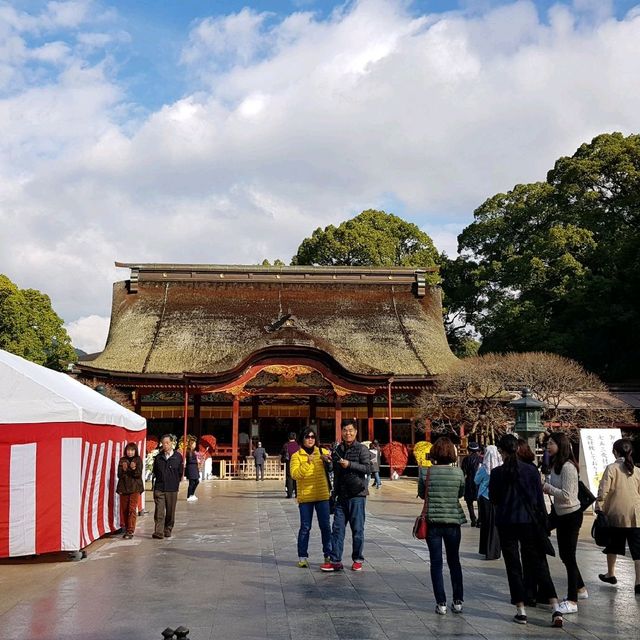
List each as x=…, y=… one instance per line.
x=515, y=489
x=129, y=488
x=192, y=471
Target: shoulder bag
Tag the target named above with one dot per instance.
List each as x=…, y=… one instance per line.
x=585, y=497
x=420, y=526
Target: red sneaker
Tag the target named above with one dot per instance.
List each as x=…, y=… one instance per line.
x=356, y=566
x=331, y=566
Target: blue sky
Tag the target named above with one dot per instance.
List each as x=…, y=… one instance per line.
x=220, y=132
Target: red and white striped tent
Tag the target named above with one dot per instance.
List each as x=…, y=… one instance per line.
x=60, y=443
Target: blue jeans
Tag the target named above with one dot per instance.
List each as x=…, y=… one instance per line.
x=349, y=510
x=376, y=477
x=306, y=518
x=450, y=534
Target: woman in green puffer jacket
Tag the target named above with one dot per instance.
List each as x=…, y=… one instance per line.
x=444, y=485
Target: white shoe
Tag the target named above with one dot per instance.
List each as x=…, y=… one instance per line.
x=191, y=499
x=583, y=595
x=441, y=609
x=566, y=607
x=456, y=607
x=194, y=498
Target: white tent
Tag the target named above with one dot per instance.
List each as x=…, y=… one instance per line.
x=60, y=443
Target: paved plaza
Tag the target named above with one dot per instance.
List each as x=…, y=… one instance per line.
x=229, y=573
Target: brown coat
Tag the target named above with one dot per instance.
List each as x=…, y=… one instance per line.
x=619, y=496
x=130, y=480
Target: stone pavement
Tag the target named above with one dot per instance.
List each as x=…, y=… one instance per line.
x=229, y=573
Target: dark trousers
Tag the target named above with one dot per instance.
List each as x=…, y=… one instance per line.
x=129, y=511
x=450, y=535
x=324, y=521
x=289, y=482
x=489, y=538
x=568, y=528
x=259, y=471
x=525, y=563
x=348, y=510
x=472, y=511
x=192, y=487
x=165, y=513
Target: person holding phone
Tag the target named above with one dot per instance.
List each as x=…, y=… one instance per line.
x=129, y=488
x=310, y=474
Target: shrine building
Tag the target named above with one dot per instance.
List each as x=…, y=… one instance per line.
x=245, y=352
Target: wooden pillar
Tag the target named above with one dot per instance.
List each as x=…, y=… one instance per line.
x=186, y=425
x=338, y=407
x=137, y=401
x=370, y=430
x=313, y=405
x=197, y=423
x=235, y=415
x=427, y=429
x=413, y=431
x=390, y=412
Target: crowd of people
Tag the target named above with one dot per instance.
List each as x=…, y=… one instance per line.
x=503, y=483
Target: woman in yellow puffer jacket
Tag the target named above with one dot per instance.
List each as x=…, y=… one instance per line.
x=308, y=469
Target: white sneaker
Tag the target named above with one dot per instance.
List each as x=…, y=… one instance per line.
x=456, y=607
x=566, y=607
x=441, y=609
x=191, y=499
x=583, y=595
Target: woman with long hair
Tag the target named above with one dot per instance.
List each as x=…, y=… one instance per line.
x=129, y=488
x=619, y=500
x=308, y=470
x=489, y=539
x=192, y=470
x=443, y=486
x=516, y=492
x=562, y=486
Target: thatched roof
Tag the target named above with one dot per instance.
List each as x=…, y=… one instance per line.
x=208, y=319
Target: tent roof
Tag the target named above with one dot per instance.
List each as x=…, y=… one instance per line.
x=32, y=394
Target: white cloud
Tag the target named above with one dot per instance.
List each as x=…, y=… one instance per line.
x=290, y=125
x=89, y=333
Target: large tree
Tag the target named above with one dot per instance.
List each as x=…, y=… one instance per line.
x=373, y=238
x=555, y=265
x=30, y=328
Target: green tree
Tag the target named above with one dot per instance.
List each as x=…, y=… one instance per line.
x=30, y=328
x=555, y=265
x=373, y=238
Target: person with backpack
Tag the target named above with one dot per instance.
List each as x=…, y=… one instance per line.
x=288, y=449
x=469, y=466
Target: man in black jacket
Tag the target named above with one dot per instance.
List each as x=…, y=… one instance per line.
x=167, y=474
x=352, y=465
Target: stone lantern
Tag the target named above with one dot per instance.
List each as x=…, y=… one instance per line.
x=528, y=417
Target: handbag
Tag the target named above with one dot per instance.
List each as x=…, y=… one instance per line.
x=600, y=530
x=585, y=497
x=420, y=526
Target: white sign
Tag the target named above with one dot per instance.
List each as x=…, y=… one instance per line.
x=596, y=452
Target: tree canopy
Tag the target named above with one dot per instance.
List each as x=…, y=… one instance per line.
x=555, y=265
x=373, y=238
x=477, y=391
x=30, y=328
